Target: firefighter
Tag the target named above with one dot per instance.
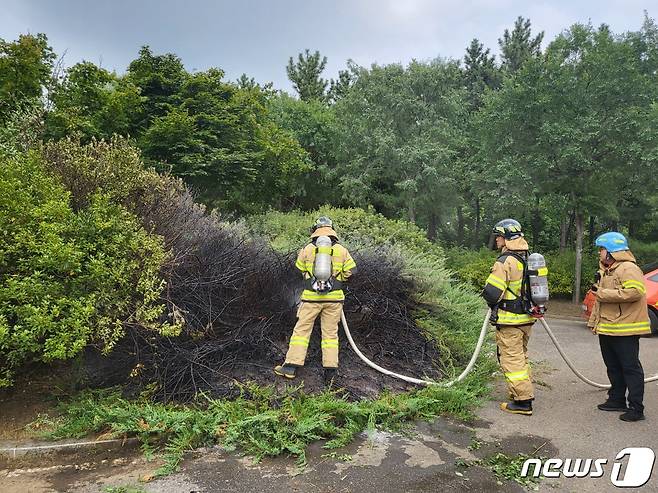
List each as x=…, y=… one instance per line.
x=326, y=302
x=619, y=318
x=504, y=295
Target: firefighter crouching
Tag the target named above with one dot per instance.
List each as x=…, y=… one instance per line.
x=325, y=265
x=503, y=294
x=620, y=317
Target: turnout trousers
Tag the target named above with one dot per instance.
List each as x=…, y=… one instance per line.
x=621, y=355
x=512, y=343
x=329, y=313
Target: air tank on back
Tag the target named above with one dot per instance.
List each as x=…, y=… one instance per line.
x=322, y=262
x=538, y=281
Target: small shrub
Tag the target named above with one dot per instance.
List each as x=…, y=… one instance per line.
x=645, y=253
x=68, y=278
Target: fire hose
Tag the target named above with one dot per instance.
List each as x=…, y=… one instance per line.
x=471, y=363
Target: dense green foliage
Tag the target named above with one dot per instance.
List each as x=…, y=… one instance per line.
x=450, y=146
x=68, y=276
x=25, y=69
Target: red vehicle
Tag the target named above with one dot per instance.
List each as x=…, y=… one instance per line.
x=651, y=282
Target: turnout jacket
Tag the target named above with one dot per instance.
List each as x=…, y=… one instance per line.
x=504, y=282
x=621, y=301
x=342, y=266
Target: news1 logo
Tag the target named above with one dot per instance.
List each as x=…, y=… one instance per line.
x=638, y=468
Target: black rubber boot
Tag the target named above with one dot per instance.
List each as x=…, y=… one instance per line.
x=613, y=406
x=285, y=370
x=632, y=415
x=329, y=376
x=518, y=407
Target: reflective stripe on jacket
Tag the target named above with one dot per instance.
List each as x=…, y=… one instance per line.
x=342, y=266
x=504, y=283
x=621, y=300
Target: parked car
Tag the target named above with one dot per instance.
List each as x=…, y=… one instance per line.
x=651, y=283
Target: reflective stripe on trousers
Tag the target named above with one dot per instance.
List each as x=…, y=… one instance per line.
x=329, y=313
x=512, y=342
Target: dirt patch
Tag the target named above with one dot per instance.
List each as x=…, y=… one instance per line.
x=33, y=394
x=564, y=308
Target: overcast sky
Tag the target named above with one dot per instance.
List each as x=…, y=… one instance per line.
x=257, y=36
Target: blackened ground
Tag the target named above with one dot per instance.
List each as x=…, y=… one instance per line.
x=238, y=299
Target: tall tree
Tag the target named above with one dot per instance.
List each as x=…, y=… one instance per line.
x=519, y=45
x=339, y=87
x=222, y=139
x=25, y=69
x=578, y=125
x=480, y=72
x=305, y=75
x=160, y=79
x=313, y=124
x=92, y=102
x=399, y=131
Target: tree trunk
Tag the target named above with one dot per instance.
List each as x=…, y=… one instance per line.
x=476, y=229
x=592, y=223
x=460, y=226
x=536, y=224
x=579, y=256
x=572, y=219
x=411, y=211
x=431, y=227
x=632, y=228
x=563, y=234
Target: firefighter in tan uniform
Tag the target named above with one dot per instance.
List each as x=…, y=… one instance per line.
x=502, y=292
x=328, y=304
x=619, y=318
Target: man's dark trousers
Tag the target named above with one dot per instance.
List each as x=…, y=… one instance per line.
x=622, y=360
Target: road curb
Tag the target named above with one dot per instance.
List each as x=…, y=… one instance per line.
x=51, y=448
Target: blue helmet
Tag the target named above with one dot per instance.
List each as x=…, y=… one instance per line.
x=612, y=241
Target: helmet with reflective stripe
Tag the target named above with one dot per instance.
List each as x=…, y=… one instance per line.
x=509, y=228
x=322, y=222
x=612, y=241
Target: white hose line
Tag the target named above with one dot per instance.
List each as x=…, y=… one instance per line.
x=469, y=367
x=573, y=368
x=471, y=363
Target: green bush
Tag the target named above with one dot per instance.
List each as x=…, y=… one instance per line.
x=68, y=277
x=561, y=272
x=471, y=266
x=645, y=253
x=289, y=231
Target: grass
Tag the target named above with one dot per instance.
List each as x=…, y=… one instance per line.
x=261, y=422
x=506, y=467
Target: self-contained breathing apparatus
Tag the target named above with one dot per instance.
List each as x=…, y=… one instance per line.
x=534, y=291
x=322, y=281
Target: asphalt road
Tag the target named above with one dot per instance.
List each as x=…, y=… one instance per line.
x=566, y=424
